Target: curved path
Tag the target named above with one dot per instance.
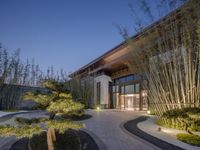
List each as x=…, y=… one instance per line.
x=8, y=116
x=131, y=126
x=6, y=142
x=105, y=128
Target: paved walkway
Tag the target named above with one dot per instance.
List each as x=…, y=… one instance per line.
x=106, y=126
x=132, y=127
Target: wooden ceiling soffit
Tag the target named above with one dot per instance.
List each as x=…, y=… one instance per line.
x=116, y=55
x=121, y=73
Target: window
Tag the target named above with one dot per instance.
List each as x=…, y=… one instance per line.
x=126, y=79
x=114, y=100
x=130, y=78
x=137, y=77
x=113, y=89
x=98, y=92
x=137, y=88
x=122, y=89
x=117, y=89
x=129, y=89
x=122, y=80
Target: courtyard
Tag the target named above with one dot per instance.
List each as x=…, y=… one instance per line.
x=107, y=126
x=135, y=89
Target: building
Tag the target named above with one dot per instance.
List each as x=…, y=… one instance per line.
x=115, y=85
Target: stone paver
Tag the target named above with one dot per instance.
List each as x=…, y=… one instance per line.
x=107, y=126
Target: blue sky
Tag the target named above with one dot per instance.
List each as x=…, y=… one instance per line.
x=64, y=33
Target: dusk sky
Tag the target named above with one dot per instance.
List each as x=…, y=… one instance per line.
x=64, y=33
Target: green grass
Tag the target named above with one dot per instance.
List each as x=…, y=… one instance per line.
x=189, y=138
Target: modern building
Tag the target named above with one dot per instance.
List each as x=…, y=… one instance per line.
x=115, y=85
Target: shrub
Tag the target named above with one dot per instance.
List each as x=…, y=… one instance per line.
x=56, y=101
x=76, y=117
x=189, y=138
x=171, y=123
x=27, y=121
x=183, y=119
x=20, y=132
x=195, y=125
x=65, y=105
x=39, y=141
x=63, y=125
x=175, y=113
x=69, y=140
x=72, y=114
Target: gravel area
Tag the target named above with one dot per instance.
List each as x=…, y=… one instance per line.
x=10, y=119
x=7, y=118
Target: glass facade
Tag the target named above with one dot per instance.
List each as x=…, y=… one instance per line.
x=128, y=78
x=126, y=93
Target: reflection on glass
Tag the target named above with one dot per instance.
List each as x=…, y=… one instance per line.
x=122, y=101
x=129, y=89
x=113, y=89
x=137, y=88
x=137, y=77
x=117, y=89
x=130, y=78
x=114, y=100
x=117, y=100
x=122, y=89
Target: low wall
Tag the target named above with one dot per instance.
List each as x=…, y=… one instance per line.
x=11, y=96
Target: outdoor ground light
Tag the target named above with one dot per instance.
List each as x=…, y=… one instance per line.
x=148, y=112
x=98, y=108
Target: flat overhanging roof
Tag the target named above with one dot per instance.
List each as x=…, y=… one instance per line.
x=124, y=43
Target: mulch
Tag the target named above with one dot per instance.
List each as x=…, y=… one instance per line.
x=87, y=142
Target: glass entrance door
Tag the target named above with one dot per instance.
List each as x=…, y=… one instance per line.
x=136, y=101
x=127, y=95
x=130, y=101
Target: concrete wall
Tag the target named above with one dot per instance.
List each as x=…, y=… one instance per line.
x=104, y=95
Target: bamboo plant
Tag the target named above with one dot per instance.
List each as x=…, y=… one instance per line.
x=168, y=57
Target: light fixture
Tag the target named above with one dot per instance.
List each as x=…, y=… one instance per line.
x=148, y=112
x=98, y=108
